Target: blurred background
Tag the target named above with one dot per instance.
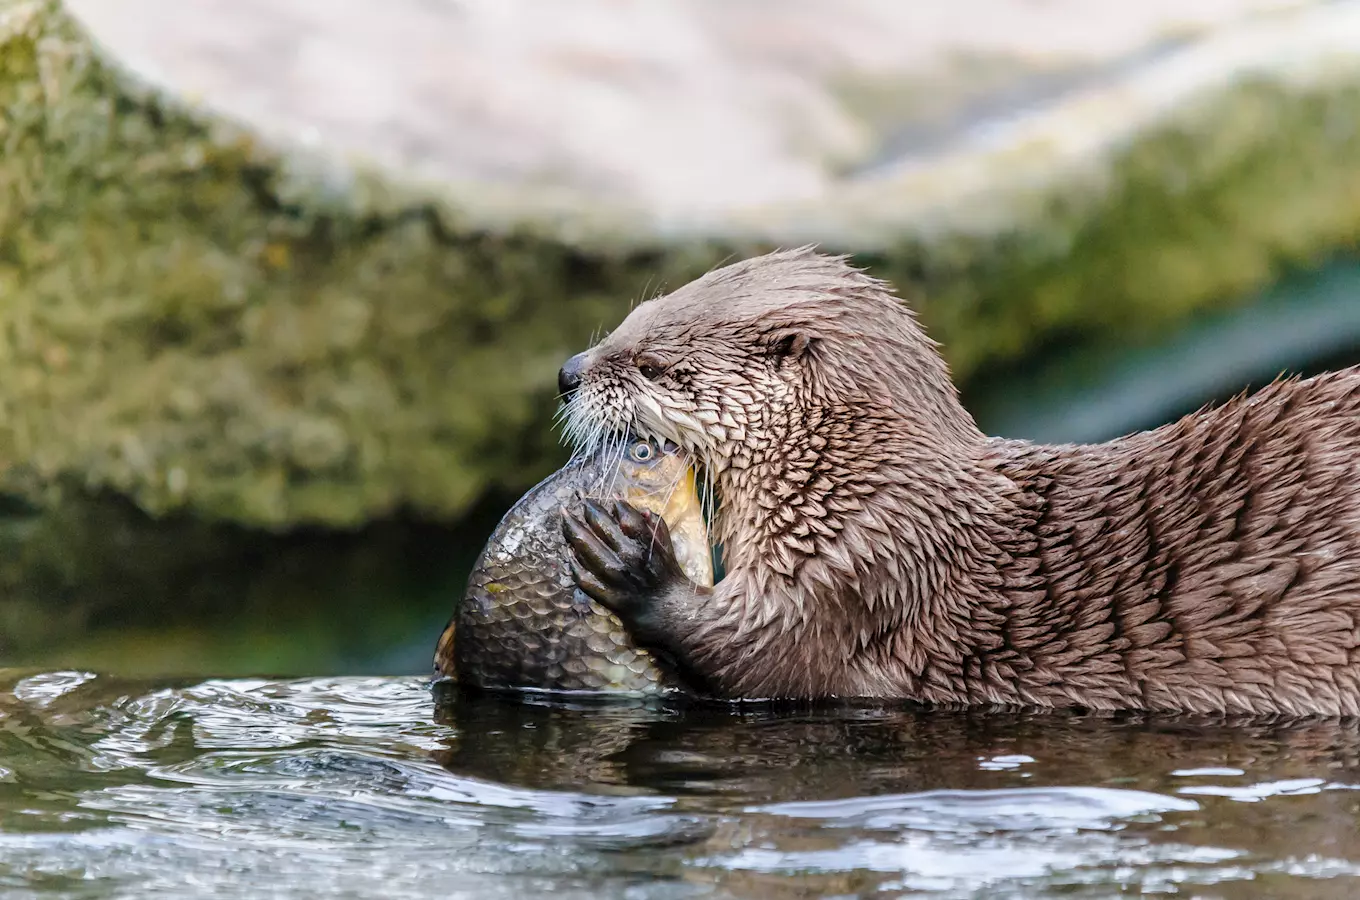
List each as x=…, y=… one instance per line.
x=285, y=284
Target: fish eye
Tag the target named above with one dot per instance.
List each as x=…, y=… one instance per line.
x=641, y=451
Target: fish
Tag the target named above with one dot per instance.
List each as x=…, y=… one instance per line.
x=523, y=623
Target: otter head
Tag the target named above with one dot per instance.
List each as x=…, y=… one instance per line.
x=794, y=378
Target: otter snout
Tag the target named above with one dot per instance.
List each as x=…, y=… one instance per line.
x=569, y=376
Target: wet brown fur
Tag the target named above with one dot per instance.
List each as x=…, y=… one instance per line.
x=879, y=545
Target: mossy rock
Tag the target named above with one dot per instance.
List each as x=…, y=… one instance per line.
x=180, y=328
x=284, y=313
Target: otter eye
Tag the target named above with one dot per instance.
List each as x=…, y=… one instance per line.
x=641, y=451
x=651, y=367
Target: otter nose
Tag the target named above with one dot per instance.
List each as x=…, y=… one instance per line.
x=569, y=376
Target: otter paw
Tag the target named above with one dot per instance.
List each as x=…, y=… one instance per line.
x=622, y=558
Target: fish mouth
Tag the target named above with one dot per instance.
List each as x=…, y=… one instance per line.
x=702, y=487
x=709, y=504
x=705, y=488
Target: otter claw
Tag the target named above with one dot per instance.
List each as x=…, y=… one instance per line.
x=605, y=524
x=637, y=524
x=622, y=557
x=587, y=582
x=588, y=546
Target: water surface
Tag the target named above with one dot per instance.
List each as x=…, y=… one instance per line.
x=367, y=787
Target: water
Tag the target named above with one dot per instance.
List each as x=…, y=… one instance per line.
x=367, y=787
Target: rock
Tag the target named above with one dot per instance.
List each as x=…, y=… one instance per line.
x=309, y=262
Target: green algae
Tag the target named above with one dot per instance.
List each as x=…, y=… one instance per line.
x=186, y=324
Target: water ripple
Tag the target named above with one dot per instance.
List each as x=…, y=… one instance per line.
x=366, y=787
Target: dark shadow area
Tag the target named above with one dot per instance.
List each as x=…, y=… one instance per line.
x=1091, y=390
x=107, y=587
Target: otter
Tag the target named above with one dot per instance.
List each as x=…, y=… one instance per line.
x=878, y=545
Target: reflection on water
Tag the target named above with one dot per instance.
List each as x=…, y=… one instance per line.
x=366, y=787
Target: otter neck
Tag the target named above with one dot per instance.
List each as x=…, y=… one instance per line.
x=842, y=496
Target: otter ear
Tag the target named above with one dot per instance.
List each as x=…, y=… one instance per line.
x=788, y=344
